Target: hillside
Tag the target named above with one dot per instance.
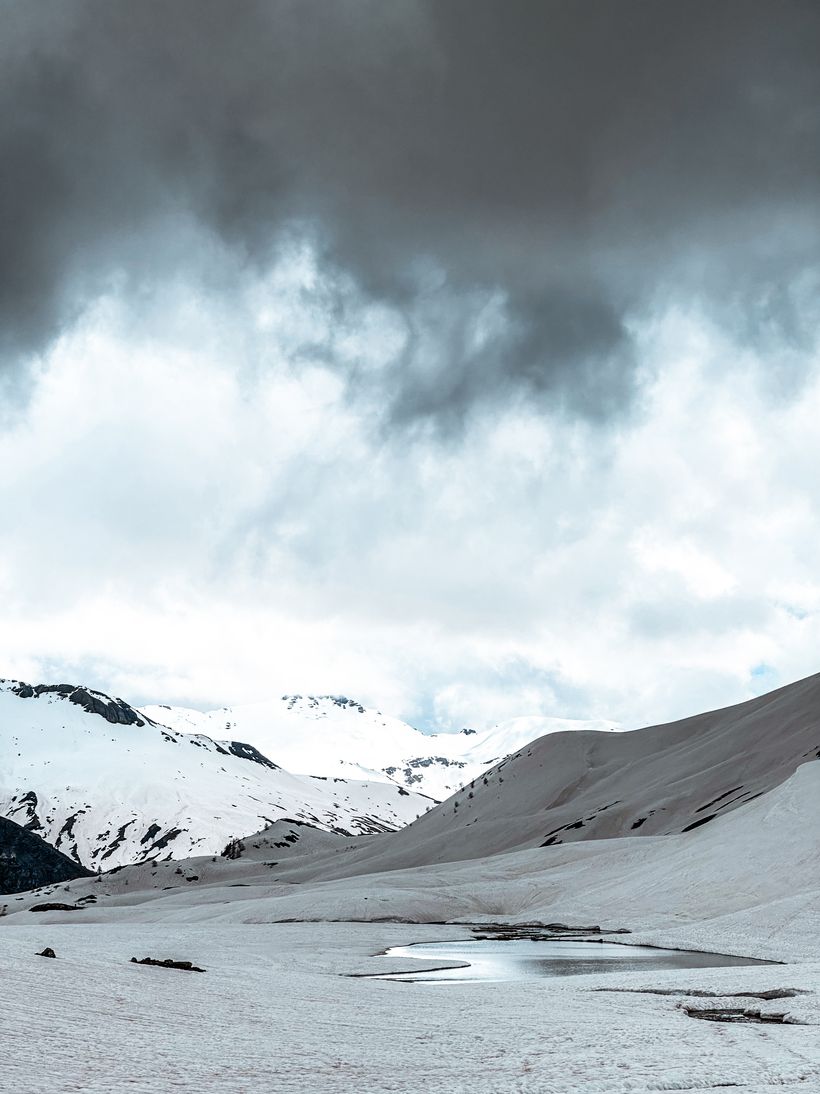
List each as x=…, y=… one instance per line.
x=27, y=862
x=106, y=785
x=662, y=780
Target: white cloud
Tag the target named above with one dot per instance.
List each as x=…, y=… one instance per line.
x=199, y=509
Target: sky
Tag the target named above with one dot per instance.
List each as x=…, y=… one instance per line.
x=460, y=357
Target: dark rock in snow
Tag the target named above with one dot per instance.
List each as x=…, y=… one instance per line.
x=116, y=711
x=248, y=752
x=167, y=963
x=55, y=906
x=47, y=952
x=734, y=1014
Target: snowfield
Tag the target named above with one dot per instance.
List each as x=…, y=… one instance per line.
x=277, y=1009
x=287, y=925
x=276, y=1012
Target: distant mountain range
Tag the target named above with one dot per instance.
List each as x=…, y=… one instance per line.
x=334, y=736
x=708, y=823
x=107, y=785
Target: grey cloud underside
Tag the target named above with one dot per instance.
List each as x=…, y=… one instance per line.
x=579, y=164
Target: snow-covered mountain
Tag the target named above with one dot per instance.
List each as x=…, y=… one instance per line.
x=707, y=818
x=107, y=785
x=334, y=736
x=664, y=780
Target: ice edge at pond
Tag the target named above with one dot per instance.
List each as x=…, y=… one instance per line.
x=493, y=960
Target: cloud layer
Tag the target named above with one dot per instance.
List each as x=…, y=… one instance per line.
x=546, y=173
x=461, y=356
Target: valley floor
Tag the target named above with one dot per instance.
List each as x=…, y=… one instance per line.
x=276, y=1012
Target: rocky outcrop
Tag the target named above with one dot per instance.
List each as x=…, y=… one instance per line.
x=27, y=862
x=116, y=711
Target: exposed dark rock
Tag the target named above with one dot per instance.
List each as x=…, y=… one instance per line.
x=248, y=752
x=116, y=711
x=118, y=839
x=23, y=810
x=719, y=798
x=66, y=834
x=537, y=932
x=150, y=832
x=735, y=1014
x=702, y=993
x=698, y=823
x=47, y=952
x=314, y=701
x=167, y=963
x=28, y=862
x=163, y=841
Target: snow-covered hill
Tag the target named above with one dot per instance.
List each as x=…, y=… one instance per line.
x=332, y=735
x=107, y=785
x=571, y=787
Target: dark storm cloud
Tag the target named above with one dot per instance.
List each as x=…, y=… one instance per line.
x=584, y=161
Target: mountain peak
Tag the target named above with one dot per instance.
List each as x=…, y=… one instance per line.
x=116, y=711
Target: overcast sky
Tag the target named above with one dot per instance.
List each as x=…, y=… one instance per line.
x=459, y=356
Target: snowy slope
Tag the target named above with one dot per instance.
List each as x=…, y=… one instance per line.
x=749, y=883
x=107, y=786
x=660, y=780
x=336, y=736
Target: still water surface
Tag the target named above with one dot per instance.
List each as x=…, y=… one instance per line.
x=525, y=959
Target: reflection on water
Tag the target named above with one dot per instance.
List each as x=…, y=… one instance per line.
x=526, y=959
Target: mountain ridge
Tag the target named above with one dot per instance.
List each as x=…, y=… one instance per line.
x=107, y=785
